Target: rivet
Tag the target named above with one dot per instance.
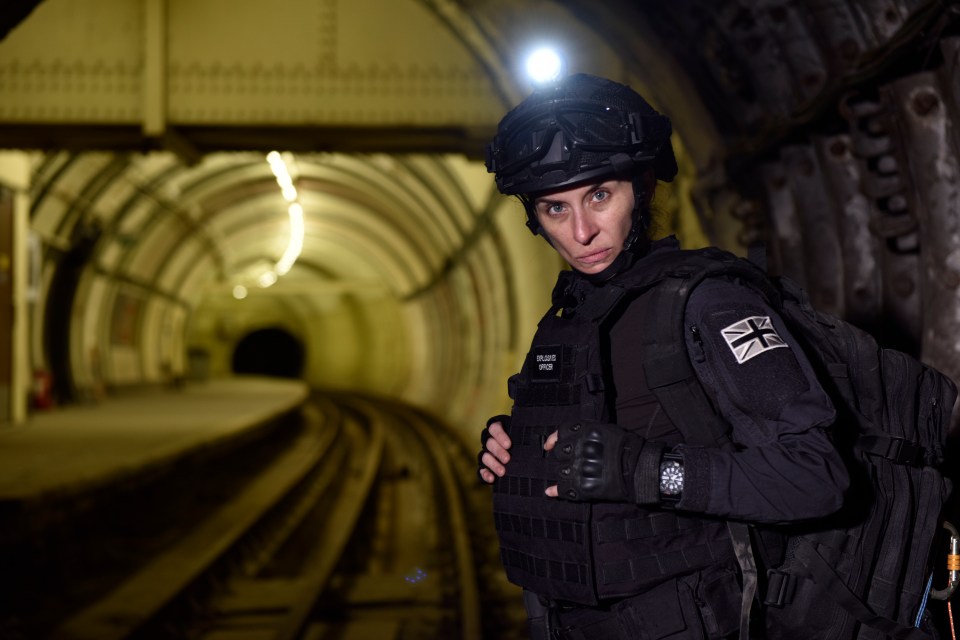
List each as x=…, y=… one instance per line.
x=903, y=286
x=925, y=103
x=951, y=279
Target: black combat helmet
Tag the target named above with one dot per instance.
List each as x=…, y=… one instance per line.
x=580, y=128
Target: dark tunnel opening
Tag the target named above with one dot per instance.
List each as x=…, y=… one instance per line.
x=271, y=352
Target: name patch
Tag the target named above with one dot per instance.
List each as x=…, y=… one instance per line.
x=546, y=363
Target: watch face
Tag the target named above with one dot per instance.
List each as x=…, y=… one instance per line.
x=671, y=478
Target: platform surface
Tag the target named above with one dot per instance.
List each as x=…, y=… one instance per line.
x=79, y=448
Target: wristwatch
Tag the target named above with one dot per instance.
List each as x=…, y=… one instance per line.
x=671, y=477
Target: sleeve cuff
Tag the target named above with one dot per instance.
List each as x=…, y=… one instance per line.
x=696, y=479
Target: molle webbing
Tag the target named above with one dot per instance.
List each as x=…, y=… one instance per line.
x=545, y=395
x=649, y=569
x=646, y=525
x=521, y=486
x=540, y=528
x=545, y=569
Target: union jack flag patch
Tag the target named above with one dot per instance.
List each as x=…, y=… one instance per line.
x=751, y=336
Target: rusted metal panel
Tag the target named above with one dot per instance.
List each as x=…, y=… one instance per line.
x=891, y=221
x=886, y=18
x=926, y=124
x=800, y=49
x=765, y=74
x=786, y=236
x=818, y=221
x=722, y=63
x=860, y=248
x=843, y=35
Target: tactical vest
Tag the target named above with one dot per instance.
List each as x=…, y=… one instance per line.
x=581, y=552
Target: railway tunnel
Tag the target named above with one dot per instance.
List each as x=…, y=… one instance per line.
x=194, y=192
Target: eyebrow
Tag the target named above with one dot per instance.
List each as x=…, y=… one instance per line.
x=547, y=200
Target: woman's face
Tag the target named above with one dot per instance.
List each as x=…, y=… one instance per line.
x=588, y=224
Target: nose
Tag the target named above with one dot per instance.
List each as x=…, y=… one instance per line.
x=585, y=227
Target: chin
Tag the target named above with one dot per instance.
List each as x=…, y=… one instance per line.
x=596, y=267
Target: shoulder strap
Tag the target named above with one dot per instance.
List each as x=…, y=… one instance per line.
x=671, y=377
x=667, y=367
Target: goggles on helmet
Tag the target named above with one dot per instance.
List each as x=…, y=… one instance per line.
x=561, y=141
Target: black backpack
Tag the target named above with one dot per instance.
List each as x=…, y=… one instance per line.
x=862, y=573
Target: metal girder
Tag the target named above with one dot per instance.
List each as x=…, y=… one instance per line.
x=190, y=142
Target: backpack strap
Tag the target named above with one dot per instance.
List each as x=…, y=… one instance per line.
x=822, y=573
x=671, y=377
x=667, y=367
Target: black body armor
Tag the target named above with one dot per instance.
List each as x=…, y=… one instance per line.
x=586, y=552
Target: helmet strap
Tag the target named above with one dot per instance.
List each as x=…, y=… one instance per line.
x=532, y=223
x=640, y=221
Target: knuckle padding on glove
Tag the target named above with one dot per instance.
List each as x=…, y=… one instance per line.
x=590, y=462
x=606, y=462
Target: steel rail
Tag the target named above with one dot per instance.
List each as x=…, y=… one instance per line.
x=139, y=600
x=469, y=596
x=317, y=572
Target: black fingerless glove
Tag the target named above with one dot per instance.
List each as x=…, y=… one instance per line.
x=604, y=462
x=485, y=435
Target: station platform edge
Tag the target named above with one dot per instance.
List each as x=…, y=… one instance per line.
x=79, y=449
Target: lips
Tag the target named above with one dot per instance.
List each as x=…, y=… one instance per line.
x=593, y=258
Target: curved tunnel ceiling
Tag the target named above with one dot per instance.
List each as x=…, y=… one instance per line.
x=182, y=230
x=413, y=269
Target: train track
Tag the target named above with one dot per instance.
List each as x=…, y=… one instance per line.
x=365, y=527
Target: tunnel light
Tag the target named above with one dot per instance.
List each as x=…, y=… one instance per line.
x=295, y=244
x=267, y=279
x=279, y=168
x=544, y=65
x=239, y=292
